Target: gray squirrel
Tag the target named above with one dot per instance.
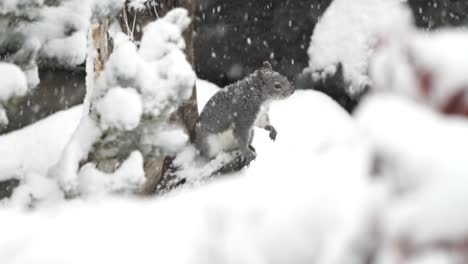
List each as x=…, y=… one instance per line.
x=228, y=118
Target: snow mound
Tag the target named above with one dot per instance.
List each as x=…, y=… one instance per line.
x=348, y=33
x=35, y=148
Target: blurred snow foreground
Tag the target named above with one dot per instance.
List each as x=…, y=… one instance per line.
x=385, y=186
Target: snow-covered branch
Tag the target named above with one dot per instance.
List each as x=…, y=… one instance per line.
x=13, y=84
x=35, y=32
x=132, y=100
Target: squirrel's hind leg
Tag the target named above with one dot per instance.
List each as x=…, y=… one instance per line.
x=244, y=138
x=250, y=141
x=201, y=143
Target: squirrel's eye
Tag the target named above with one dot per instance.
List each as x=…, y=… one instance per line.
x=277, y=86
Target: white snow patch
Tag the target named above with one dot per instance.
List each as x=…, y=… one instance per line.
x=13, y=82
x=36, y=190
x=129, y=177
x=171, y=139
x=138, y=5
x=120, y=108
x=76, y=150
x=35, y=148
x=68, y=51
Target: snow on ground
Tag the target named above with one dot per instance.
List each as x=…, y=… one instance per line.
x=27, y=154
x=36, y=147
x=289, y=206
x=325, y=129
x=308, y=197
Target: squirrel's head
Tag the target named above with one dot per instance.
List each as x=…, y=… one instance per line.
x=273, y=84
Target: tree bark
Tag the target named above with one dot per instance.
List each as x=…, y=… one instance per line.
x=7, y=187
x=101, y=45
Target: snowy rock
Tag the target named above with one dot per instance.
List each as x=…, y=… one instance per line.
x=348, y=33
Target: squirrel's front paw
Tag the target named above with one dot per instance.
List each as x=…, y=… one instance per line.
x=273, y=132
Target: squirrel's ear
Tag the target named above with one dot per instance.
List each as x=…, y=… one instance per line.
x=267, y=65
x=259, y=75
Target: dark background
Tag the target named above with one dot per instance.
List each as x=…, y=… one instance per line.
x=281, y=28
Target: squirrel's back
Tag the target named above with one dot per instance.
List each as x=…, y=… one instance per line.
x=242, y=97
